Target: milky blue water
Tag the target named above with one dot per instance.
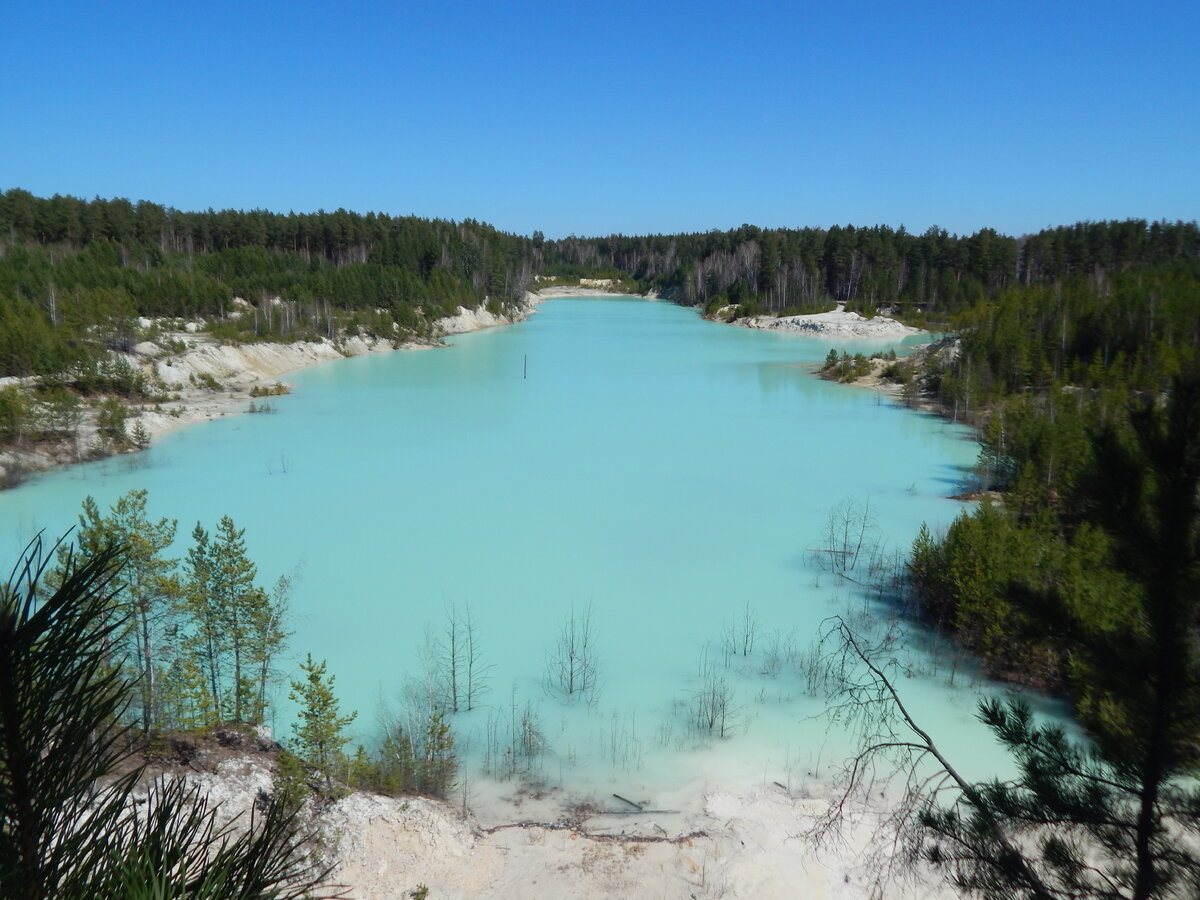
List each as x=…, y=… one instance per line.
x=670, y=472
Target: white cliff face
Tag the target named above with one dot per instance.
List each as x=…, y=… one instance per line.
x=465, y=320
x=238, y=364
x=236, y=368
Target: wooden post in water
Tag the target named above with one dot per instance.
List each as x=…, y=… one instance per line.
x=525, y=375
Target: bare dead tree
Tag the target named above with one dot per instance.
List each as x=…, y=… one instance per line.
x=572, y=669
x=899, y=760
x=713, y=708
x=451, y=655
x=477, y=671
x=740, y=634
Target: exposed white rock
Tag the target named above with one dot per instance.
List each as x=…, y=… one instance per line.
x=465, y=320
x=242, y=364
x=384, y=847
x=360, y=344
x=235, y=784
x=836, y=323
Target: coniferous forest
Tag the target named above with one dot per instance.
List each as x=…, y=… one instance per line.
x=74, y=274
x=1074, y=353
x=1054, y=334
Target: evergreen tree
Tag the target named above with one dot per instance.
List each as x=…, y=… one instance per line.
x=268, y=636
x=149, y=588
x=320, y=732
x=62, y=834
x=1116, y=815
x=235, y=628
x=207, y=639
x=238, y=602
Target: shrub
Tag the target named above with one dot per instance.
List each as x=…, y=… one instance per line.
x=111, y=419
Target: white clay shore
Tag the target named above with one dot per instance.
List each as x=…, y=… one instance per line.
x=715, y=842
x=733, y=845
x=237, y=368
x=836, y=323
x=242, y=367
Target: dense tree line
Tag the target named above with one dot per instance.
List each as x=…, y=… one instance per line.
x=469, y=248
x=934, y=274
x=1040, y=369
x=1100, y=595
x=75, y=274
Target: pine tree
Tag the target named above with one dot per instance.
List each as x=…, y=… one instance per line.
x=1116, y=815
x=237, y=602
x=236, y=628
x=61, y=706
x=268, y=636
x=320, y=732
x=207, y=640
x=149, y=586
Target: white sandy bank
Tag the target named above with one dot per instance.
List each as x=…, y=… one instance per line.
x=835, y=323
x=584, y=290
x=722, y=843
x=242, y=367
x=237, y=369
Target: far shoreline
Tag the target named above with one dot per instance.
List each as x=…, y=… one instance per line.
x=247, y=374
x=250, y=373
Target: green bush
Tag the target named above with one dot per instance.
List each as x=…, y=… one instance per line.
x=15, y=414
x=111, y=419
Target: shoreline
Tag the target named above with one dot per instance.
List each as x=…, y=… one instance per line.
x=729, y=838
x=238, y=369
x=752, y=844
x=261, y=365
x=513, y=839
x=836, y=323
x=551, y=293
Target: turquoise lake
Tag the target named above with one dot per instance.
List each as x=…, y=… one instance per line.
x=670, y=472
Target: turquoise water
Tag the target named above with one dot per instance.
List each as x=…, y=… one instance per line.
x=670, y=472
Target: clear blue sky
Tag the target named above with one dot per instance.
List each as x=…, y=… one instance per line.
x=601, y=117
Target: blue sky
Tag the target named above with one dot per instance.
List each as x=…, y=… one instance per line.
x=614, y=117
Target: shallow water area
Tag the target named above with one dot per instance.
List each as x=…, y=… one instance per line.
x=671, y=475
